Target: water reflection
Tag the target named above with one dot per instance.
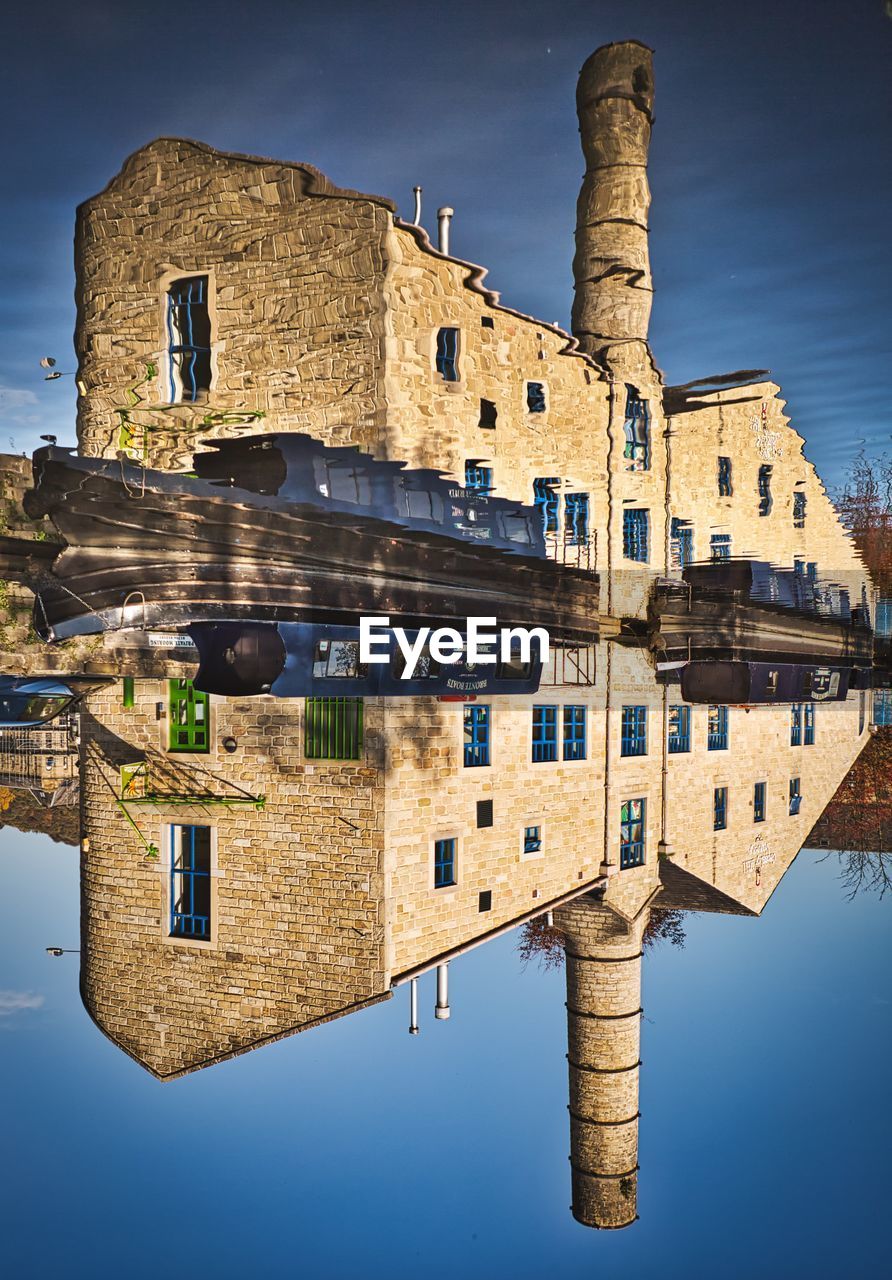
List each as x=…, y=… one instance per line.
x=272, y=835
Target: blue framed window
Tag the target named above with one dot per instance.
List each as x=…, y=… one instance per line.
x=717, y=729
x=444, y=862
x=576, y=519
x=720, y=546
x=799, y=504
x=882, y=709
x=636, y=428
x=636, y=534
x=189, y=339
x=476, y=745
x=808, y=724
x=535, y=397
x=726, y=489
x=765, y=489
x=447, y=354
x=190, y=882
x=796, y=724
x=759, y=802
x=478, y=479
x=631, y=834
x=546, y=501
x=681, y=542
x=574, y=733
x=720, y=809
x=884, y=616
x=545, y=744
x=634, y=731
x=679, y=729
x=532, y=839
x=795, y=797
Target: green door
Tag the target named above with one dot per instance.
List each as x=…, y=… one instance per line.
x=188, y=717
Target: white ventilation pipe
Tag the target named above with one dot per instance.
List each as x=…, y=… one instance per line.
x=417, y=194
x=413, y=1007
x=442, y=1009
x=444, y=216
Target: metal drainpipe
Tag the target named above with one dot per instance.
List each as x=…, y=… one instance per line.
x=442, y=1009
x=444, y=217
x=417, y=193
x=608, y=867
x=664, y=845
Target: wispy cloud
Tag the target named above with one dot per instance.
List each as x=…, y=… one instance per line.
x=13, y=1002
x=18, y=404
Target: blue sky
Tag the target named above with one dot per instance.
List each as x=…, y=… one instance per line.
x=355, y=1150
x=769, y=164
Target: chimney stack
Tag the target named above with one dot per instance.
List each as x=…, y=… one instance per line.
x=611, y=269
x=603, y=1028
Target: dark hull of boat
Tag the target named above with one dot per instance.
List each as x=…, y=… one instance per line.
x=155, y=549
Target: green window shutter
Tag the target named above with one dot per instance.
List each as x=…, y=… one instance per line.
x=333, y=728
x=188, y=713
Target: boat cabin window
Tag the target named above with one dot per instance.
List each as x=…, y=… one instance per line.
x=424, y=504
x=426, y=668
x=338, y=659
x=346, y=484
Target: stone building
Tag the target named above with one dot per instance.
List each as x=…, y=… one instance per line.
x=223, y=294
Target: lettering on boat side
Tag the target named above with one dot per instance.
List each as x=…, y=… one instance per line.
x=479, y=644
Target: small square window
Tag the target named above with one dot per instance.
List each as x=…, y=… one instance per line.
x=487, y=322
x=536, y=397
x=484, y=813
x=532, y=839
x=484, y=900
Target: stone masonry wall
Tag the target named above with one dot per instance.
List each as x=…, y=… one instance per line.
x=295, y=267
x=297, y=930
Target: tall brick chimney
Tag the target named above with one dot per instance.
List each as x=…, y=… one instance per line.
x=603, y=1032
x=614, y=101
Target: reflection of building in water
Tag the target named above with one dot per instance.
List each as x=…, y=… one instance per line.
x=42, y=761
x=396, y=834
x=259, y=297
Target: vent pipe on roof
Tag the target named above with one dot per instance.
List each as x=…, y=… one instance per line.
x=417, y=194
x=444, y=217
